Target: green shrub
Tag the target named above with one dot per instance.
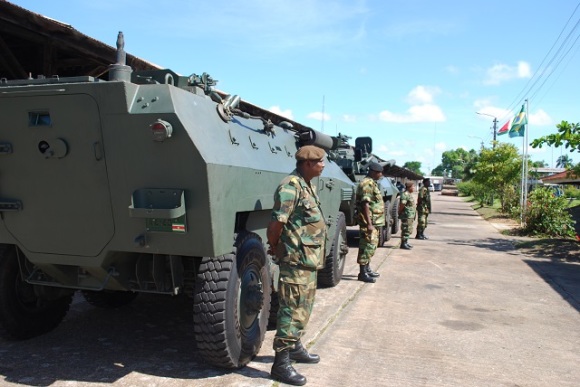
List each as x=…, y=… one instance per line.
x=571, y=192
x=547, y=215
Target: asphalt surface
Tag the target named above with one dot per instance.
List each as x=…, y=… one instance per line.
x=461, y=309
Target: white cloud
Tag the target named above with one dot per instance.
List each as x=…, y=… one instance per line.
x=319, y=116
x=441, y=146
x=284, y=113
x=422, y=110
x=348, y=118
x=500, y=73
x=541, y=118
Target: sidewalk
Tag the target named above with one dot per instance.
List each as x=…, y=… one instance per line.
x=461, y=309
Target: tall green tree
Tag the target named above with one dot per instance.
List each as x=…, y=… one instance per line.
x=568, y=136
x=564, y=161
x=414, y=166
x=455, y=163
x=498, y=172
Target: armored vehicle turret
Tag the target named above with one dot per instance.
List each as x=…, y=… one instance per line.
x=354, y=161
x=149, y=182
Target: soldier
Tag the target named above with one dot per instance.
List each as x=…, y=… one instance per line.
x=371, y=216
x=296, y=234
x=407, y=214
x=423, y=209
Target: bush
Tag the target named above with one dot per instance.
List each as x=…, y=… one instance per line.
x=572, y=192
x=547, y=215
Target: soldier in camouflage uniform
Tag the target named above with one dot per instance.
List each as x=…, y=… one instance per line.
x=423, y=209
x=371, y=216
x=296, y=234
x=407, y=214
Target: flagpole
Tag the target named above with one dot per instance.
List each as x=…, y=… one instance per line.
x=525, y=166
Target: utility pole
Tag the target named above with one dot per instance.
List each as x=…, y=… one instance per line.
x=494, y=131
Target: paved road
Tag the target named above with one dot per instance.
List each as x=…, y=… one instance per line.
x=461, y=309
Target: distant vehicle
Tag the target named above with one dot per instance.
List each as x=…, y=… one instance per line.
x=436, y=183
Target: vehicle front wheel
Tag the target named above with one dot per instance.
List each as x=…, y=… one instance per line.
x=23, y=312
x=231, y=304
x=331, y=274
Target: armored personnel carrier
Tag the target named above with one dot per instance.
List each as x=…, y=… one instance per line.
x=148, y=183
x=354, y=161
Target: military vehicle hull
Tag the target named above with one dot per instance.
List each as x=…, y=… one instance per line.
x=121, y=187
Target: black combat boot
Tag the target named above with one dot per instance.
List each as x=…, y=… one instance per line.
x=405, y=245
x=370, y=272
x=300, y=355
x=364, y=276
x=420, y=235
x=283, y=371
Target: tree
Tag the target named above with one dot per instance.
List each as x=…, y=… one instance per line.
x=457, y=162
x=539, y=164
x=414, y=166
x=568, y=136
x=564, y=161
x=497, y=174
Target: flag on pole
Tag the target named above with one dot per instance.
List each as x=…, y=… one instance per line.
x=505, y=128
x=519, y=123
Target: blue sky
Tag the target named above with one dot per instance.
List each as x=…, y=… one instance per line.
x=409, y=73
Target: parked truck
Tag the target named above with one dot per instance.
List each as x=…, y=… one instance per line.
x=149, y=182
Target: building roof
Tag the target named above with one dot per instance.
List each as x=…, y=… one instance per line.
x=32, y=45
x=566, y=177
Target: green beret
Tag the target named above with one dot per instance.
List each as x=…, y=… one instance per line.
x=375, y=167
x=310, y=152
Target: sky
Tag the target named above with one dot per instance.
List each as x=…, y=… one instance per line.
x=418, y=76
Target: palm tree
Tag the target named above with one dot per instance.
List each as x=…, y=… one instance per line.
x=564, y=161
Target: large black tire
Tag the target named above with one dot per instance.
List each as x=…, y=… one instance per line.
x=23, y=314
x=108, y=299
x=231, y=304
x=331, y=274
x=385, y=231
x=395, y=217
x=274, y=306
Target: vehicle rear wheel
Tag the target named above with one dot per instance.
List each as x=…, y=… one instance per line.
x=23, y=312
x=395, y=217
x=331, y=274
x=231, y=304
x=108, y=299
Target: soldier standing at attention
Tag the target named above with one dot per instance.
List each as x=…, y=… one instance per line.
x=407, y=214
x=371, y=216
x=423, y=209
x=296, y=234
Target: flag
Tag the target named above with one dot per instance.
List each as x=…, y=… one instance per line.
x=505, y=128
x=519, y=124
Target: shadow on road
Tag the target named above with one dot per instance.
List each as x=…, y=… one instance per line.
x=151, y=336
x=563, y=277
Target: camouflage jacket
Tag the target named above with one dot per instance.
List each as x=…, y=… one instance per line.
x=368, y=191
x=408, y=201
x=296, y=204
x=424, y=201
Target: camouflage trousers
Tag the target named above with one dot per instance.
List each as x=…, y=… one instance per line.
x=421, y=222
x=367, y=245
x=406, y=228
x=296, y=291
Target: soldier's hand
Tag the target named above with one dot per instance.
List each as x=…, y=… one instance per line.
x=371, y=227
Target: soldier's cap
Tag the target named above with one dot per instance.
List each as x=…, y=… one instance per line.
x=375, y=167
x=427, y=180
x=409, y=184
x=310, y=152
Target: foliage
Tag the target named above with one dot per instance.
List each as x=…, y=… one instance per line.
x=414, y=166
x=497, y=170
x=539, y=164
x=568, y=136
x=564, y=161
x=455, y=163
x=547, y=215
x=571, y=192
